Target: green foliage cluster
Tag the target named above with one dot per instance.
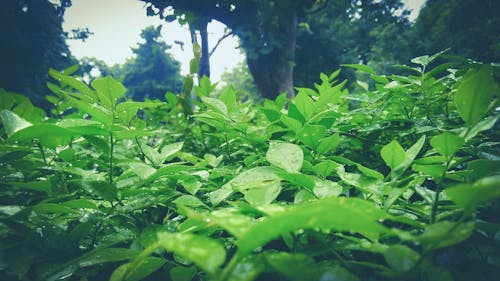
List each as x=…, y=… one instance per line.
x=399, y=181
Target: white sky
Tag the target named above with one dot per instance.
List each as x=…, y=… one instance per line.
x=117, y=25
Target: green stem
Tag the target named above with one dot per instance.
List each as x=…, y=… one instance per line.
x=439, y=188
x=42, y=151
x=111, y=148
x=229, y=268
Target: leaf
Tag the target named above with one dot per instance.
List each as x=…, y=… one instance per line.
x=370, y=172
x=49, y=135
x=220, y=194
x=434, y=170
x=361, y=67
x=74, y=83
x=311, y=134
x=328, y=144
x=481, y=126
x=351, y=214
x=300, y=267
x=303, y=180
x=142, y=170
x=206, y=253
x=12, y=122
x=94, y=257
x=170, y=150
x=182, y=273
x=444, y=234
x=304, y=104
x=259, y=185
x=287, y=156
x=291, y=123
x=233, y=221
x=189, y=201
x=447, y=143
x=140, y=269
x=471, y=196
x=325, y=168
x=108, y=90
x=215, y=105
x=393, y=154
x=127, y=110
x=400, y=257
x=326, y=188
x=474, y=95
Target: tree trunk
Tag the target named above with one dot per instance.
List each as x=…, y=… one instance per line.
x=204, y=68
x=273, y=72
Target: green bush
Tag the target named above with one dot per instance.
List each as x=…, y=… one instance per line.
x=397, y=181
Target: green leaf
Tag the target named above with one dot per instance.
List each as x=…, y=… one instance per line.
x=206, y=253
x=481, y=126
x=220, y=194
x=108, y=90
x=259, y=185
x=215, y=105
x=393, y=154
x=444, y=234
x=471, y=196
x=144, y=171
x=94, y=257
x=326, y=188
x=447, y=143
x=400, y=257
x=49, y=135
x=300, y=267
x=361, y=67
x=169, y=150
x=12, y=122
x=74, y=83
x=434, y=170
x=475, y=94
x=139, y=271
x=303, y=180
x=304, y=104
x=351, y=214
x=127, y=110
x=411, y=153
x=291, y=123
x=370, y=172
x=311, y=134
x=182, y=273
x=189, y=201
x=325, y=168
x=284, y=155
x=328, y=144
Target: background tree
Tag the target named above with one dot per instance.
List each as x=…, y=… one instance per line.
x=267, y=30
x=152, y=72
x=32, y=41
x=367, y=31
x=470, y=28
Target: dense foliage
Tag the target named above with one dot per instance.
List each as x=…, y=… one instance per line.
x=396, y=181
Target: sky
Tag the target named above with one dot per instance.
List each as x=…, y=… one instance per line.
x=117, y=26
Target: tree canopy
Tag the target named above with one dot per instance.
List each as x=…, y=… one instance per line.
x=470, y=28
x=152, y=72
x=32, y=41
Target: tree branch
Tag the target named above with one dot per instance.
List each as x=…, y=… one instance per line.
x=219, y=41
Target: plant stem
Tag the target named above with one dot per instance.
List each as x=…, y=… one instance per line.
x=439, y=188
x=42, y=151
x=229, y=268
x=111, y=148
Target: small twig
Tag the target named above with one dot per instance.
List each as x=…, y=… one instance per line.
x=219, y=41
